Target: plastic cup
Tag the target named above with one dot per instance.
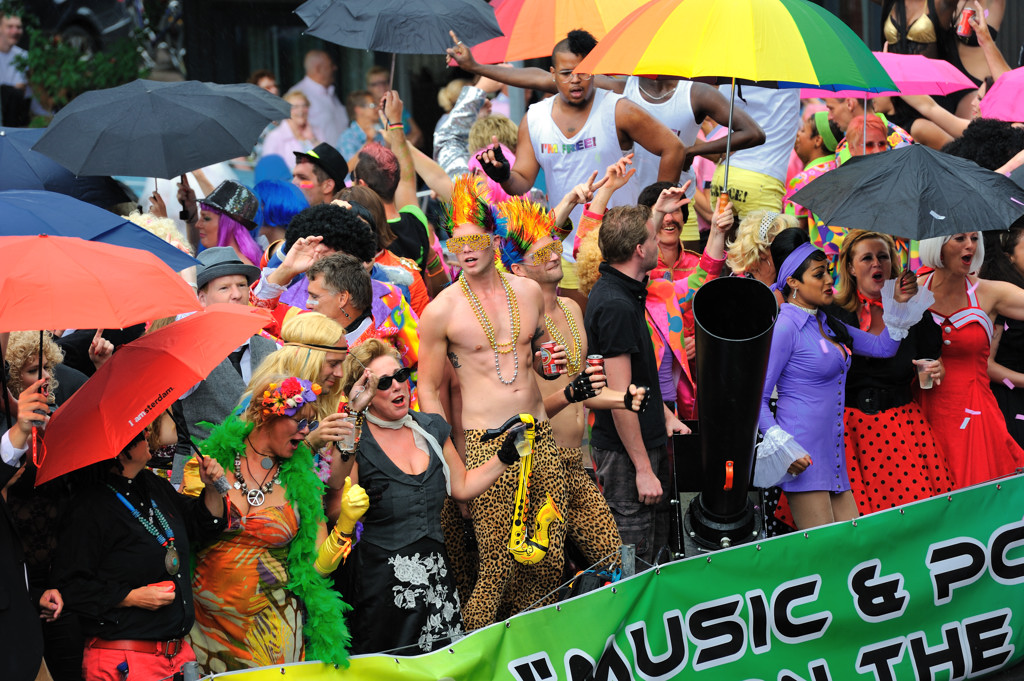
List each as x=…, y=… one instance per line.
x=924, y=377
x=348, y=443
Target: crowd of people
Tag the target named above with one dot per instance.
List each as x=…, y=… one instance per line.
x=447, y=416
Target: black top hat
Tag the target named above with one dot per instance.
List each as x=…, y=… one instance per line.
x=222, y=261
x=329, y=159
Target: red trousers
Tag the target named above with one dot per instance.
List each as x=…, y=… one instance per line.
x=100, y=664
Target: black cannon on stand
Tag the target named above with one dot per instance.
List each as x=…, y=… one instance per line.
x=733, y=318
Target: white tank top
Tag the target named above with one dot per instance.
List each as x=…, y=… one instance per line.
x=675, y=113
x=778, y=114
x=568, y=161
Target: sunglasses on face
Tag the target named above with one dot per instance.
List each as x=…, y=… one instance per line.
x=302, y=423
x=542, y=255
x=476, y=242
x=402, y=375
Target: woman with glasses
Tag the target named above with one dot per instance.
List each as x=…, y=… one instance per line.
x=809, y=359
x=397, y=579
x=261, y=593
x=294, y=134
x=365, y=126
x=314, y=349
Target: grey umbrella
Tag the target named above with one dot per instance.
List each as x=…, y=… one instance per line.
x=399, y=26
x=914, y=193
x=153, y=129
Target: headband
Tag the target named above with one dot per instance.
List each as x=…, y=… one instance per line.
x=766, y=222
x=791, y=263
x=314, y=346
x=825, y=130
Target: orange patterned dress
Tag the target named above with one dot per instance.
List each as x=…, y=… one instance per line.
x=244, y=615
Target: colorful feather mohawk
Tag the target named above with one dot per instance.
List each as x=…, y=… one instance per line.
x=470, y=204
x=525, y=223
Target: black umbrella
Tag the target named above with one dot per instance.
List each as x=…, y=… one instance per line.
x=153, y=129
x=399, y=26
x=915, y=193
x=23, y=168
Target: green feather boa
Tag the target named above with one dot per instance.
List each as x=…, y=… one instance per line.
x=326, y=634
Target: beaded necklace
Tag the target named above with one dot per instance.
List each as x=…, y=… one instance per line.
x=575, y=352
x=257, y=496
x=172, y=562
x=513, y=312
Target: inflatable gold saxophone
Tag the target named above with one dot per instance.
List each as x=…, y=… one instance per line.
x=525, y=549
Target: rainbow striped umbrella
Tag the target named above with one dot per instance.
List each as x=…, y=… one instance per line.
x=532, y=27
x=770, y=43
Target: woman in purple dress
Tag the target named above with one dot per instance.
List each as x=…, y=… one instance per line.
x=809, y=358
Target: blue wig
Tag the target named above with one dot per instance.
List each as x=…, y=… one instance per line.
x=279, y=202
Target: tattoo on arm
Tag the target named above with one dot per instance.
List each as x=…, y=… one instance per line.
x=536, y=337
x=454, y=359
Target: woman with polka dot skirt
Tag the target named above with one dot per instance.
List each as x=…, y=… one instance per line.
x=891, y=455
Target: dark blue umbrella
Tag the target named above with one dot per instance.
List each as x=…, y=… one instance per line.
x=23, y=168
x=153, y=129
x=399, y=26
x=24, y=213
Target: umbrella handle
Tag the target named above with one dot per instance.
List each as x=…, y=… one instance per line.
x=38, y=449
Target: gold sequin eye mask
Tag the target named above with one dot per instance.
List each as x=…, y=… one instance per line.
x=542, y=255
x=476, y=242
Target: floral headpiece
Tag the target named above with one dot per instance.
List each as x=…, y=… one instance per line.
x=288, y=396
x=469, y=205
x=525, y=223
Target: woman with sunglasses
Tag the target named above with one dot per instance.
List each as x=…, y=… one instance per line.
x=810, y=355
x=314, y=349
x=261, y=595
x=397, y=579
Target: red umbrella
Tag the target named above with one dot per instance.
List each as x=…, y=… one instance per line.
x=62, y=282
x=140, y=381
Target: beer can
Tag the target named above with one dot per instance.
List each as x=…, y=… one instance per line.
x=963, y=27
x=547, y=363
x=596, y=361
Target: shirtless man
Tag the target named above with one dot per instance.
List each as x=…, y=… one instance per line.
x=489, y=326
x=531, y=251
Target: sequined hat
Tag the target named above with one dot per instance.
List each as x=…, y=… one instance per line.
x=236, y=200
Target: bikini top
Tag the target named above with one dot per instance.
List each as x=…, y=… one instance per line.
x=922, y=30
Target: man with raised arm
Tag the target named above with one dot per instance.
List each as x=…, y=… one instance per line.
x=488, y=325
x=578, y=130
x=681, y=105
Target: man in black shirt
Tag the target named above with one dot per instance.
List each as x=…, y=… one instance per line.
x=629, y=449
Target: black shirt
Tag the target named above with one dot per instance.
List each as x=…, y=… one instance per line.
x=616, y=325
x=104, y=553
x=896, y=373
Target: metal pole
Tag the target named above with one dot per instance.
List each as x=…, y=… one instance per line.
x=864, y=133
x=728, y=138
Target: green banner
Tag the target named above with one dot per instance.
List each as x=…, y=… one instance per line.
x=929, y=590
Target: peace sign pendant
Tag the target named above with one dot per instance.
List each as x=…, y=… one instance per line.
x=255, y=497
